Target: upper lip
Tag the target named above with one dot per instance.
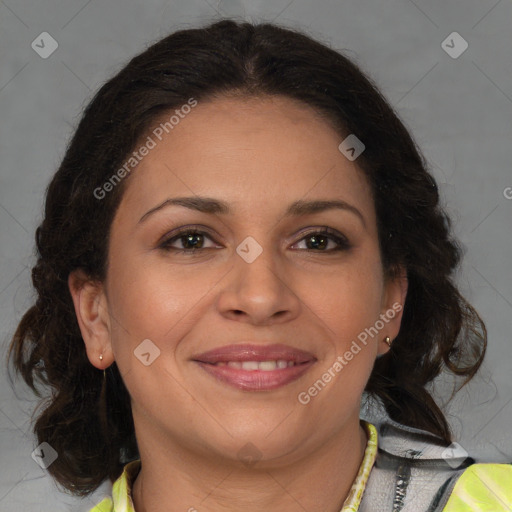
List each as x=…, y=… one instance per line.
x=252, y=352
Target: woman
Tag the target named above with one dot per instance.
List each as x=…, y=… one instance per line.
x=241, y=240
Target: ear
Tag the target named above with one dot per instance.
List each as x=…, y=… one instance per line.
x=91, y=309
x=393, y=302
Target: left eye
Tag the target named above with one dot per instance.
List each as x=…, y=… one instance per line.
x=192, y=239
x=320, y=239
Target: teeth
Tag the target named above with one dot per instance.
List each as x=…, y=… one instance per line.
x=257, y=365
x=267, y=365
x=251, y=365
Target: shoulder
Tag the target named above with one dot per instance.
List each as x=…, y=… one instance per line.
x=106, y=505
x=482, y=487
x=417, y=471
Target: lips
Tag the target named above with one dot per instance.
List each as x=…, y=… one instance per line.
x=255, y=367
x=249, y=352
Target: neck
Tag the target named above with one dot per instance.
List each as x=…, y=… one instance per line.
x=175, y=479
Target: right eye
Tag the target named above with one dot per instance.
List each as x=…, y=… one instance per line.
x=187, y=237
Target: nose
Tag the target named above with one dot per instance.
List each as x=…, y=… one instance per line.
x=258, y=290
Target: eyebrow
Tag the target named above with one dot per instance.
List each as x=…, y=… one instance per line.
x=215, y=206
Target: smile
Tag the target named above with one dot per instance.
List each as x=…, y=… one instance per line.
x=255, y=367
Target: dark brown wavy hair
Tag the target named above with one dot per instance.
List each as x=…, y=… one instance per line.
x=89, y=423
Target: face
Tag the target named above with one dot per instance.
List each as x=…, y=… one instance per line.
x=190, y=318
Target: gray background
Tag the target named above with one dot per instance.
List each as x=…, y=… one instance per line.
x=459, y=111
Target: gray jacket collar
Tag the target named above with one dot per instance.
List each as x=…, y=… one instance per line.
x=414, y=470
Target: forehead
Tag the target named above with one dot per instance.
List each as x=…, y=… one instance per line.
x=247, y=151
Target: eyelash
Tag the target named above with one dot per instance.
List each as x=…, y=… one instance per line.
x=343, y=243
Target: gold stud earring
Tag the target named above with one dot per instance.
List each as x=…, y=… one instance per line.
x=387, y=340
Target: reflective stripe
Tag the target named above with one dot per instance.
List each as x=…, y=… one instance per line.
x=121, y=491
x=104, y=506
x=353, y=500
x=482, y=488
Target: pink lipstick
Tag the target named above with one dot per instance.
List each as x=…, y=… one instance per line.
x=253, y=367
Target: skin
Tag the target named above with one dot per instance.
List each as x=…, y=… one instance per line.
x=259, y=155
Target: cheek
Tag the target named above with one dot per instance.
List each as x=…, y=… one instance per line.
x=151, y=305
x=149, y=318
x=159, y=302
x=349, y=300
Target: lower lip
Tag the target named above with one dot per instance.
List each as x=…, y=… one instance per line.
x=256, y=380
